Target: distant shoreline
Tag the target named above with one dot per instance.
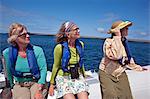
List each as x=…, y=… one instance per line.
x=130, y=40
x=94, y=37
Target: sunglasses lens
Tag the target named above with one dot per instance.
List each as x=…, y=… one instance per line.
x=28, y=33
x=24, y=35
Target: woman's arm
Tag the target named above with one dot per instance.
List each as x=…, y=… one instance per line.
x=5, y=61
x=41, y=61
x=113, y=48
x=57, y=62
x=134, y=66
x=56, y=66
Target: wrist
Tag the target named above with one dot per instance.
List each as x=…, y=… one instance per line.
x=51, y=85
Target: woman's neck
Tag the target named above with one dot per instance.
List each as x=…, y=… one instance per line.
x=22, y=48
x=22, y=51
x=71, y=43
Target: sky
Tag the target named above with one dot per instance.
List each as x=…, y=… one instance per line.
x=94, y=17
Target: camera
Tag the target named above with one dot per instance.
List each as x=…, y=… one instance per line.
x=74, y=71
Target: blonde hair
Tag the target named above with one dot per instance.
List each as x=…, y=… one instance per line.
x=14, y=30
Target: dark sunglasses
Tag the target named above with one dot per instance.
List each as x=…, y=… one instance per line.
x=76, y=29
x=24, y=35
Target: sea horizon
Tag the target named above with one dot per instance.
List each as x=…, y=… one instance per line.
x=94, y=37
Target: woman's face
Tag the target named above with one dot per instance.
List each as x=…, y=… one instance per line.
x=23, y=38
x=74, y=33
x=124, y=32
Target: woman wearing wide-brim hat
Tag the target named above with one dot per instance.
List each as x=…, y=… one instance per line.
x=117, y=58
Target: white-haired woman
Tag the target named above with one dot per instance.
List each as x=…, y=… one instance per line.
x=68, y=68
x=25, y=64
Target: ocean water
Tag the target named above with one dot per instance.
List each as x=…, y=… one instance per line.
x=93, y=50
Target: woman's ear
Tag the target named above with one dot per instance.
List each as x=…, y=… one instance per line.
x=67, y=34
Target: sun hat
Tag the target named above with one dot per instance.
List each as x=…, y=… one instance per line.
x=119, y=24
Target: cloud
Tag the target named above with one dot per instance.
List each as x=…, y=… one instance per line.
x=10, y=15
x=106, y=21
x=101, y=30
x=143, y=33
x=140, y=33
x=34, y=22
x=109, y=18
x=10, y=12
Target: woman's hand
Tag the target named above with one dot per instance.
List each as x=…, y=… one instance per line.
x=117, y=31
x=144, y=69
x=38, y=94
x=51, y=90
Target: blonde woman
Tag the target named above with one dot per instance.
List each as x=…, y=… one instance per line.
x=25, y=64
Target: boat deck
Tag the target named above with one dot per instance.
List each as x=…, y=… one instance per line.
x=139, y=83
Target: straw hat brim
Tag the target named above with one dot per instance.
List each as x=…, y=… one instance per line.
x=124, y=24
x=121, y=26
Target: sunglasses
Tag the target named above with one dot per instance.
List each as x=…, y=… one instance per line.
x=76, y=29
x=24, y=35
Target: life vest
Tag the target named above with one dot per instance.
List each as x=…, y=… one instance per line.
x=127, y=60
x=125, y=44
x=66, y=54
x=34, y=69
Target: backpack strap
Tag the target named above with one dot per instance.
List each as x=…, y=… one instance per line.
x=80, y=51
x=13, y=53
x=65, y=56
x=32, y=61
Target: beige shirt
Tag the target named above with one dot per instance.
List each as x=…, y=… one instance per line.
x=113, y=51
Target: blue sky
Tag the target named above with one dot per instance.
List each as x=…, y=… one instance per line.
x=94, y=17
